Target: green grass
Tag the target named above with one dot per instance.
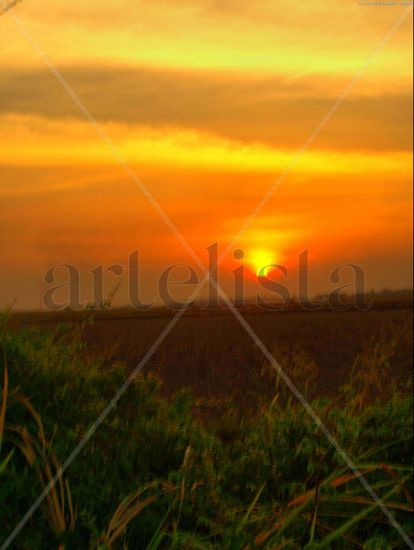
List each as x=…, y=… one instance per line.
x=154, y=476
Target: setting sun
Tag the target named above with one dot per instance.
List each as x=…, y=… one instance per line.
x=261, y=261
x=210, y=126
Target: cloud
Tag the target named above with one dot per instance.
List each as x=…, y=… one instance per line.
x=5, y=6
x=277, y=111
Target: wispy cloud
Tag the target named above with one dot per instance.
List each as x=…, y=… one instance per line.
x=5, y=6
x=272, y=110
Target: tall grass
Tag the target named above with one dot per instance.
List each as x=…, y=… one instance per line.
x=154, y=477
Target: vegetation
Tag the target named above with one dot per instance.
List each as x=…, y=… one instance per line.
x=154, y=476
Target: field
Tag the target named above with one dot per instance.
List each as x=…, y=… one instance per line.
x=207, y=448
x=213, y=356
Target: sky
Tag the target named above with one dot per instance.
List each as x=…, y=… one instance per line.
x=208, y=101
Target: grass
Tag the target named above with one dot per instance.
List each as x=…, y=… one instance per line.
x=154, y=476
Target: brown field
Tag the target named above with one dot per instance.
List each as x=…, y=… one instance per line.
x=253, y=452
x=212, y=355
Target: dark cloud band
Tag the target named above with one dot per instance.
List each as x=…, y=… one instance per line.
x=277, y=111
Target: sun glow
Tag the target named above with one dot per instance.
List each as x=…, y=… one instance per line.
x=261, y=260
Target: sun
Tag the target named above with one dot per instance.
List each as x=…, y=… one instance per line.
x=261, y=260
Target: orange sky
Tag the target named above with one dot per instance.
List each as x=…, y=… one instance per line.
x=208, y=100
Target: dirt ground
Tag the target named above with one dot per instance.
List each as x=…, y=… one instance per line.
x=211, y=354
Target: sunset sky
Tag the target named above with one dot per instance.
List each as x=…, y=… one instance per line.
x=208, y=100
